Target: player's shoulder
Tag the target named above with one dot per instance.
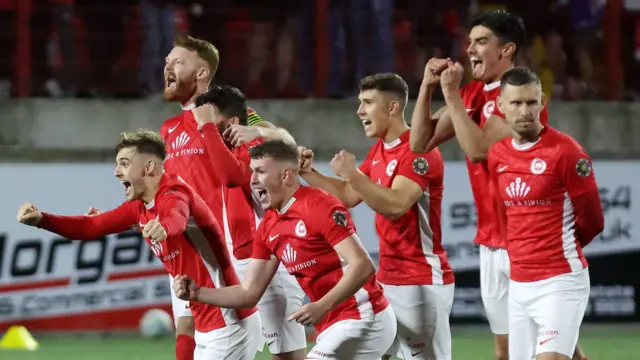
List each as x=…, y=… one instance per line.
x=171, y=184
x=315, y=198
x=170, y=123
x=501, y=146
x=473, y=87
x=564, y=141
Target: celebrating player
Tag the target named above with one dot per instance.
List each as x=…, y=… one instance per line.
x=312, y=234
x=471, y=115
x=405, y=191
x=219, y=108
x=553, y=210
x=188, y=72
x=183, y=234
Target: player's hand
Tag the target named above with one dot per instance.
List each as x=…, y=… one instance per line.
x=237, y=135
x=29, y=214
x=93, y=211
x=433, y=69
x=309, y=314
x=343, y=164
x=306, y=159
x=155, y=231
x=452, y=77
x=204, y=114
x=185, y=288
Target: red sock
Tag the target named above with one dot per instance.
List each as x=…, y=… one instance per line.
x=185, y=346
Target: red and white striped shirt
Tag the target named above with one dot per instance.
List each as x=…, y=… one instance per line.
x=411, y=251
x=302, y=236
x=194, y=246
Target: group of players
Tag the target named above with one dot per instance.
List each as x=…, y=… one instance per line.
x=217, y=194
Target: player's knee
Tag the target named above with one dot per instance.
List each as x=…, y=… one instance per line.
x=291, y=355
x=185, y=326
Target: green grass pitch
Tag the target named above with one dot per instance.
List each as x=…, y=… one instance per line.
x=608, y=342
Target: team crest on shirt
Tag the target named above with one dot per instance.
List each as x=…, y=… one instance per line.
x=583, y=167
x=488, y=108
x=340, y=218
x=301, y=229
x=420, y=166
x=538, y=166
x=391, y=167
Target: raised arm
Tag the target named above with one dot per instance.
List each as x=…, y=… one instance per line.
x=231, y=171
x=474, y=140
x=85, y=227
x=424, y=126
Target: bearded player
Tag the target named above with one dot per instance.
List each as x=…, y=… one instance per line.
x=471, y=115
x=189, y=69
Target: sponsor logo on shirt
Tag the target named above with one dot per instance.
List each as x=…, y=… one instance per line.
x=518, y=191
x=180, y=141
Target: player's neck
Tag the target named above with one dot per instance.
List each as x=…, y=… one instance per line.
x=500, y=73
x=287, y=198
x=528, y=137
x=152, y=184
x=190, y=102
x=396, y=130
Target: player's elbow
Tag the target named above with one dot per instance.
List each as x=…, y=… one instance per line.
x=418, y=146
x=396, y=211
x=364, y=266
x=477, y=157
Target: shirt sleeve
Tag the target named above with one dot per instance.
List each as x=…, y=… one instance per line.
x=260, y=250
x=85, y=227
x=174, y=211
x=421, y=168
x=332, y=219
x=576, y=171
x=253, y=118
x=231, y=171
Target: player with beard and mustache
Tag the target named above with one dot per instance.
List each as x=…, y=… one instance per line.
x=189, y=69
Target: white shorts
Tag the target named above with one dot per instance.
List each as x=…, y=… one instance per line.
x=180, y=307
x=494, y=287
x=545, y=316
x=283, y=297
x=363, y=339
x=423, y=314
x=238, y=341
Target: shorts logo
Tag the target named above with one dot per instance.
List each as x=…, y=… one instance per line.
x=340, y=218
x=542, y=342
x=583, y=167
x=301, y=229
x=538, y=166
x=420, y=166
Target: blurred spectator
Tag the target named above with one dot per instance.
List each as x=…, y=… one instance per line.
x=7, y=38
x=368, y=23
x=54, y=47
x=157, y=20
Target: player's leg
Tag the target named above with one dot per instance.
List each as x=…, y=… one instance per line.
x=286, y=339
x=185, y=344
x=494, y=289
x=579, y=354
x=423, y=320
x=558, y=311
x=523, y=331
x=356, y=339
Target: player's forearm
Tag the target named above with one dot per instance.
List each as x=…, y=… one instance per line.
x=354, y=278
x=335, y=186
x=381, y=199
x=76, y=227
x=422, y=126
x=275, y=133
x=470, y=136
x=230, y=297
x=226, y=166
x=589, y=216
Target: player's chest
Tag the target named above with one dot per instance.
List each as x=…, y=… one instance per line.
x=294, y=243
x=184, y=144
x=531, y=180
x=384, y=168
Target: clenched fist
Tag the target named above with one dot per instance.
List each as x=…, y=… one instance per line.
x=432, y=71
x=343, y=164
x=185, y=288
x=452, y=77
x=306, y=159
x=237, y=135
x=204, y=114
x=155, y=231
x=29, y=214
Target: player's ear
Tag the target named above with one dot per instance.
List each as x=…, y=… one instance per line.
x=202, y=74
x=394, y=107
x=508, y=50
x=543, y=100
x=234, y=121
x=500, y=105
